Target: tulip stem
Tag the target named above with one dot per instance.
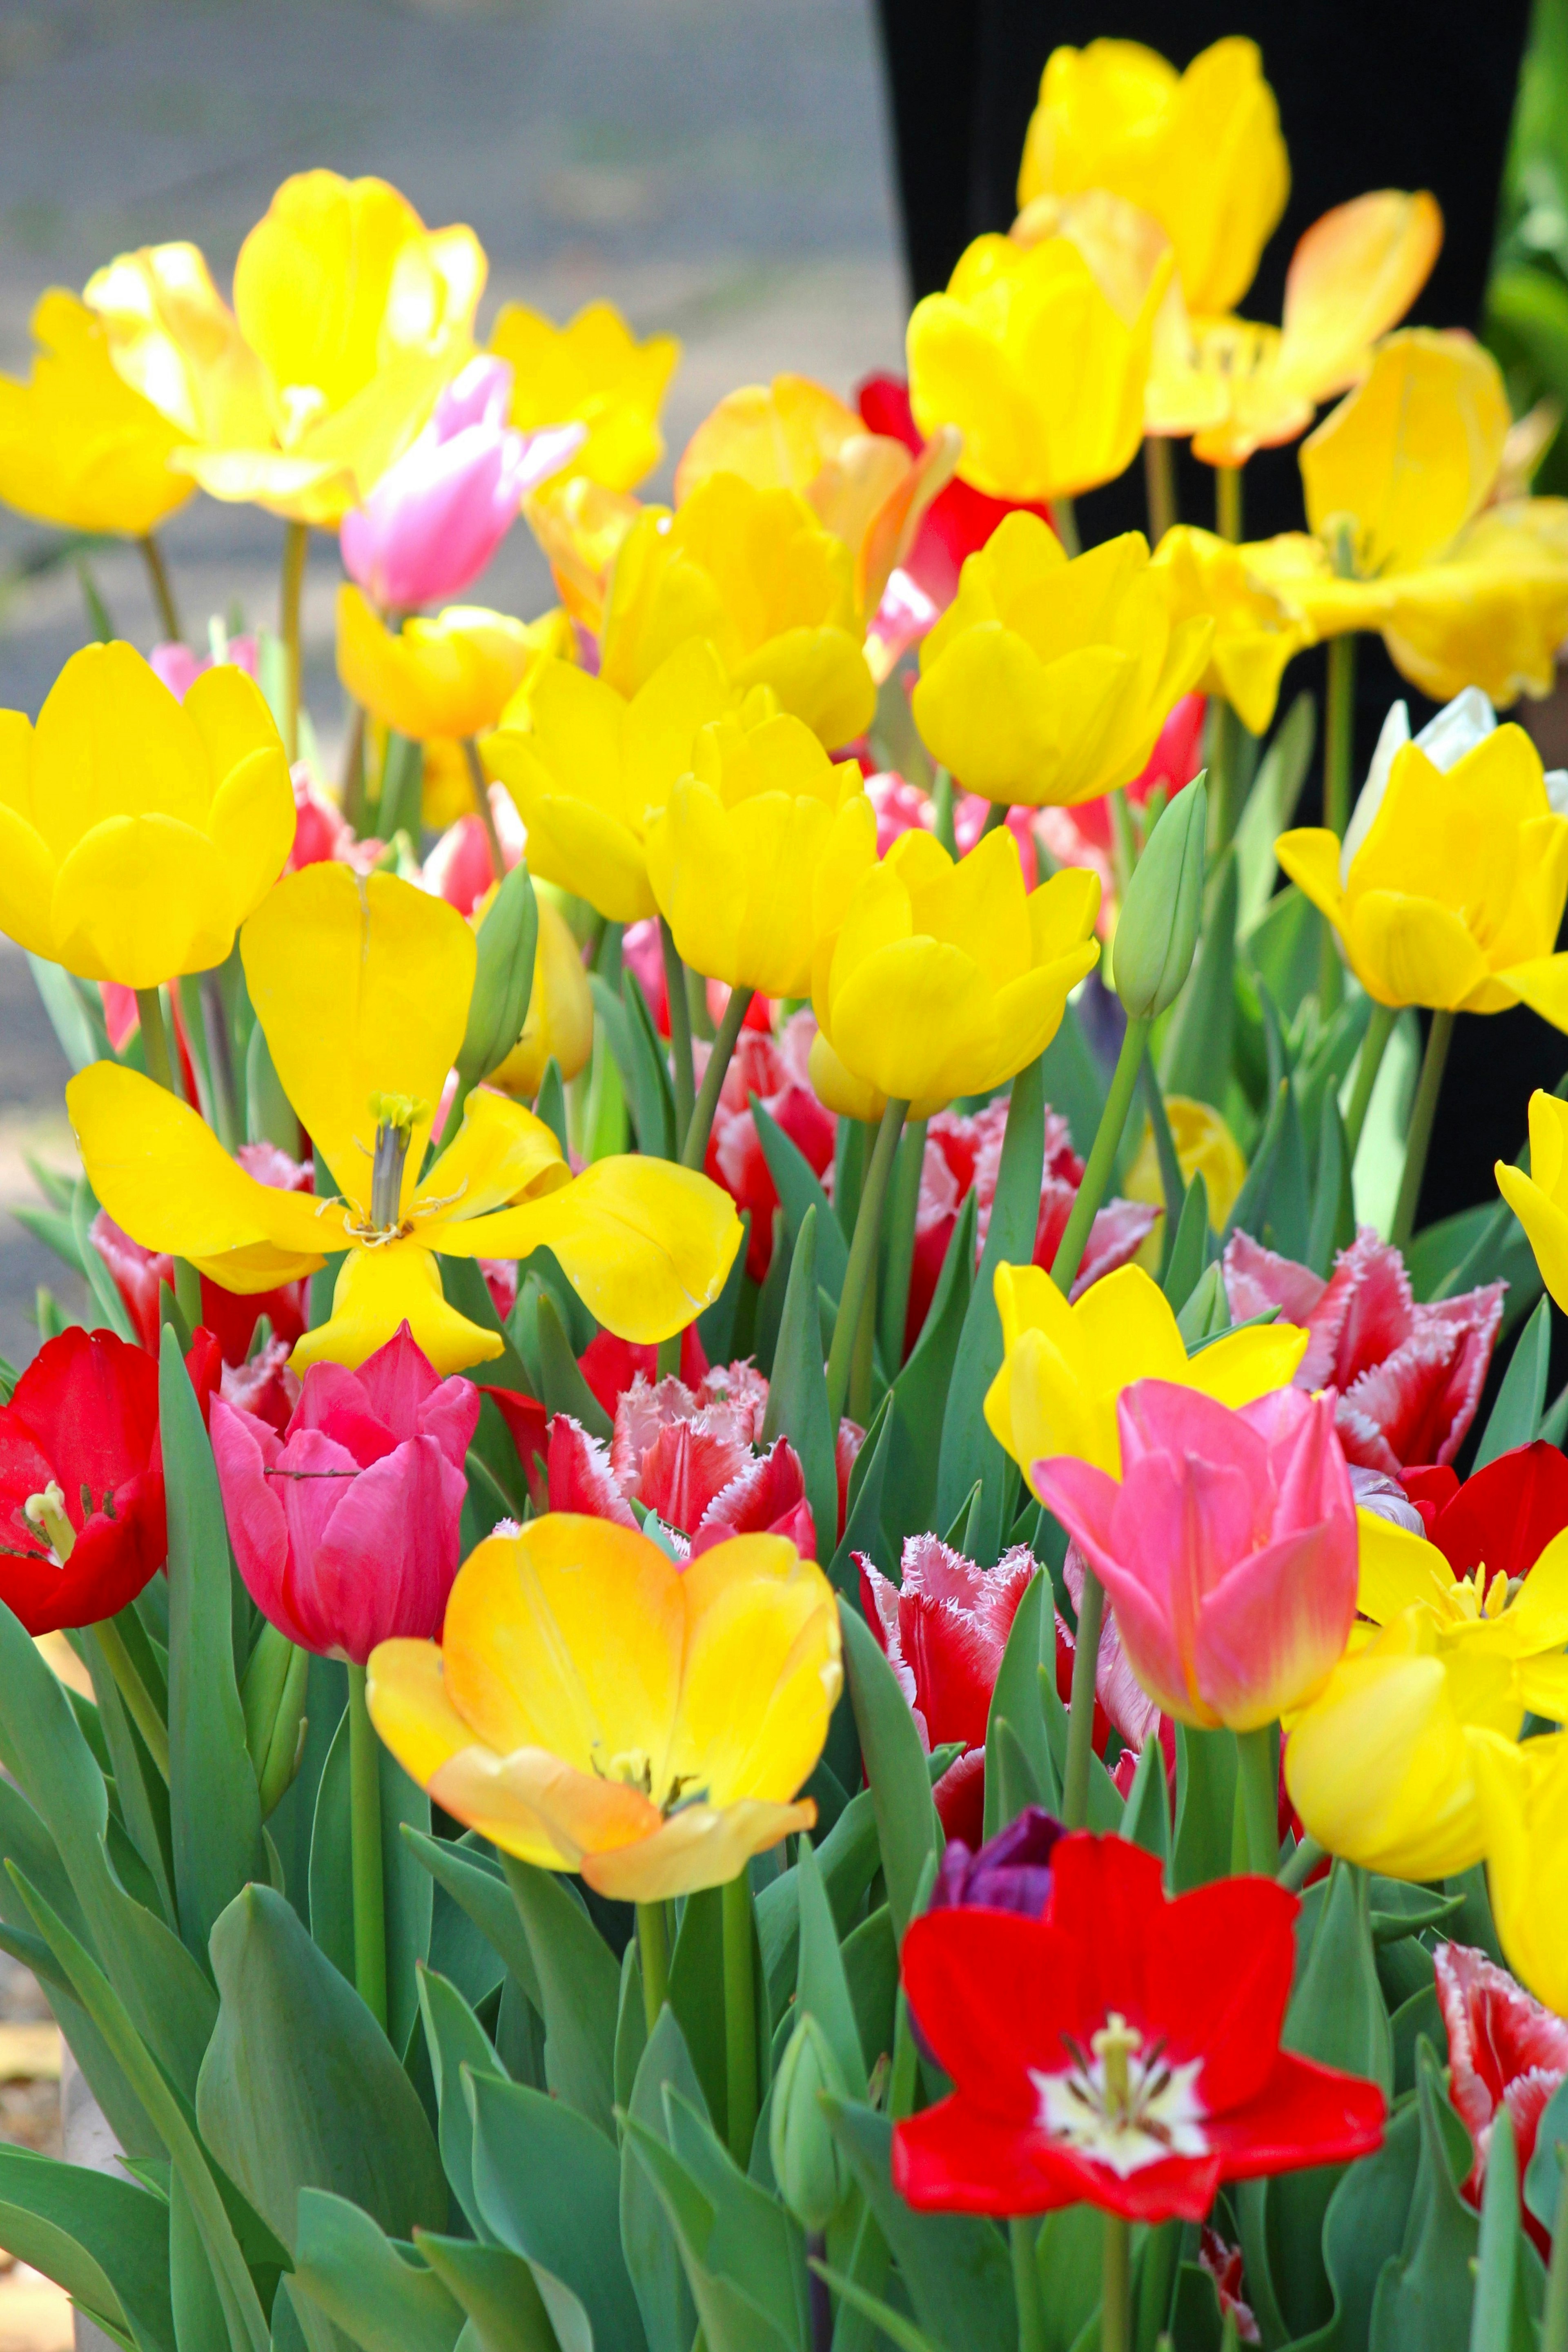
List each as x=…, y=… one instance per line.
x=680, y=1030
x=1160, y=484
x=1064, y=523
x=483, y=809
x=1299, y=1866
x=942, y=810
x=740, y=2019
x=1421, y=1118
x=1080, y=1706
x=1554, y=2316
x=653, y=1951
x=1369, y=1061
x=1227, y=502
x=862, y=1265
x=1123, y=841
x=1256, y=1842
x=163, y=590
x=903, y=1212
x=1116, y=2300
x=1228, y=773
x=220, y=1061
x=1102, y=1157
x=140, y=1704
x=997, y=814
x=351, y=783
x=155, y=1038
x=1022, y=2231
x=296, y=543
x=1339, y=749
x=364, y=1834
x=707, y=1103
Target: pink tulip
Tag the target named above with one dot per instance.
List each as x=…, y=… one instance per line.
x=346, y=1527
x=1228, y=1550
x=435, y=517
x=179, y=668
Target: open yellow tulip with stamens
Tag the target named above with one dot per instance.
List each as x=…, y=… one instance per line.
x=362, y=988
x=594, y=1706
x=80, y=446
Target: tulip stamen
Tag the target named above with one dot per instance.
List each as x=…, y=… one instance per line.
x=1122, y=2104
x=45, y=1512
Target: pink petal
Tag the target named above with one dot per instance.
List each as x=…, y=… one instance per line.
x=388, y=1557
x=644, y=1409
x=1274, y=1630
x=1255, y=1279
x=580, y=1476
x=257, y=1530
x=768, y=1490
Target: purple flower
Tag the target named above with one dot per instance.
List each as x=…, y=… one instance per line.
x=1012, y=1870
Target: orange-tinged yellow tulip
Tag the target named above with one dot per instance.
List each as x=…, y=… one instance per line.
x=1201, y=151
x=361, y=987
x=452, y=674
x=580, y=526
x=136, y=831
x=864, y=488
x=933, y=978
x=1028, y=355
x=735, y=855
x=595, y=1708
x=1524, y=1821
x=1539, y=1200
x=593, y=372
x=1256, y=632
x=1454, y=895
x=1064, y=1365
x=559, y=1011
x=1049, y=680
x=78, y=448
x=754, y=573
x=589, y=769
x=1204, y=1146
x=1396, y=480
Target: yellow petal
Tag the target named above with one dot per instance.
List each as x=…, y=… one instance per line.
x=111, y=740
x=500, y=1153
x=140, y=899
x=26, y=884
x=1398, y=1568
x=1545, y=1223
x=701, y=1845
x=405, y=1692
x=1352, y=276
x=1241, y=1366
x=377, y=1289
x=1408, y=950
x=762, y=1669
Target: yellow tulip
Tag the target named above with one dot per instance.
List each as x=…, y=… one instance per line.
x=1524, y=1820
x=1540, y=1201
x=1064, y=1365
x=559, y=1011
x=452, y=674
x=589, y=768
x=137, y=832
x=362, y=988
x=864, y=488
x=1204, y=1146
x=1200, y=151
x=595, y=1708
x=352, y=315
x=593, y=372
x=1453, y=896
x=755, y=571
x=1236, y=387
x=1478, y=1615
x=1395, y=478
x=581, y=527
x=932, y=979
x=1049, y=680
x=1256, y=633
x=78, y=448
x=1028, y=355
x=733, y=858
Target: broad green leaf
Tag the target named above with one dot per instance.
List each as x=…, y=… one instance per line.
x=1070, y=2256
x=562, y=1387
x=754, y=2235
x=1422, y=2301
x=548, y=2185
x=1271, y=804
x=1333, y=1225
x=797, y=1390
x=351, y=2271
x=103, y=2240
x=1015, y=1697
x=863, y=1521
x=955, y=2266
x=1196, y=1061
x=719, y=2271
x=716, y=1324
x=456, y=2039
x=890, y=2323
x=578, y=1993
x=1499, y=2242
x=1515, y=1418
x=821, y=1986
x=194, y=2293
x=658, y=2281
x=510, y=2303
x=871, y=1975
x=644, y=1073
x=697, y=1995
x=1206, y=1804
x=847, y=1858
x=1380, y=1155
x=464, y=1286
x=800, y=1189
x=1146, y=1816
x=1272, y=1205
x=907, y=1825
x=406, y=1888
x=476, y=1884
x=1190, y=1246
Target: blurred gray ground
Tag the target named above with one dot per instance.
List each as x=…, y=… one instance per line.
x=719, y=168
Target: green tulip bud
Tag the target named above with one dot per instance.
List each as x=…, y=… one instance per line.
x=273, y=1698
x=504, y=981
x=1157, y=932
x=809, y=2164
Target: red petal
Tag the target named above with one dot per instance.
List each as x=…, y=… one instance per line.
x=960, y=1797
x=685, y=1469
x=768, y=1489
x=1506, y=1514
x=112, y=1560
x=580, y=1476
x=91, y=1402
x=1304, y=2115
x=957, y=2158
x=526, y=1420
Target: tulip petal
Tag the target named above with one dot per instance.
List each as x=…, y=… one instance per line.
x=1310, y=857
x=253, y=822
x=26, y=884
x=1398, y=1568
x=139, y=900
x=697, y=1847
x=379, y=1288
x=762, y=1671
x=500, y=1153
x=406, y=1693
x=1408, y=951
x=1354, y=275
x=912, y=1013
x=1545, y=1225
x=1270, y=1634
x=1243, y=1365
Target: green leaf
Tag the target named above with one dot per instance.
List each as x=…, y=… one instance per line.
x=753, y=2237
x=1272, y=1205
x=716, y=2261
x=1196, y=1061
x=1271, y=804
x=1072, y=1082
x=1146, y=1816
x=350, y=2270
x=822, y=1986
x=1015, y=1699
x=871, y=1974
x=1515, y=1418
x=103, y=2240
x=1380, y=1157
x=562, y=1387
x=1333, y=1225
x=1422, y=2299
x=456, y=2039
x=216, y=1807
x=510, y=2303
x=464, y=1286
x=892, y=2323
x=863, y=1521
x=921, y=1389
x=697, y=1995
x=847, y=1858
x=299, y=2087
x=1544, y=2175
x=578, y=1993
x=800, y=1189
x=1190, y=1248
x=477, y=1886
x=658, y=2279
x=797, y=1392
x=906, y=1826
x=1498, y=2243
x=1206, y=1805
x=644, y=1072
x=194, y=2292
x=1070, y=2257
x=969, y=1451
x=955, y=2266
x=548, y=2185
x=716, y=1324
x=406, y=1888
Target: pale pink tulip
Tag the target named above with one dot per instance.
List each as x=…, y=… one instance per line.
x=1228, y=1550
x=346, y=1527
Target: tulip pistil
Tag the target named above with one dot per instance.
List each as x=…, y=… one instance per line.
x=395, y=1117
x=46, y=1512
x=634, y=1768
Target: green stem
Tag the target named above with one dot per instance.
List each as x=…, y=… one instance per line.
x=1256, y=1803
x=296, y=543
x=162, y=591
x=1116, y=2300
x=653, y=1951
x=1064, y=521
x=708, y=1094
x=1421, y=1118
x=740, y=2020
x=364, y=1833
x=679, y=1029
x=1123, y=841
x=188, y=1295
x=1369, y=1061
x=903, y=2080
x=1228, y=773
x=667, y=1363
x=1339, y=745
x=351, y=784
x=483, y=809
x=862, y=1364
x=155, y=1038
x=140, y=1704
x=862, y=1258
x=1554, y=2315
x=1295, y=1873
x=903, y=1211
x=997, y=814
x=1080, y=1708
x=1102, y=1158
x=220, y=1061
x=1227, y=502
x=942, y=811
x=1160, y=484
x=1022, y=2231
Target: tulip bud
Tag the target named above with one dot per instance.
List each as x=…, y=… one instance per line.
x=1158, y=930
x=504, y=981
x=807, y=2162
x=273, y=1698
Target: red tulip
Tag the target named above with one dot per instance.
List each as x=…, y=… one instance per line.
x=347, y=1528
x=81, y=1485
x=774, y=1071
x=958, y=520
x=1121, y=2050
x=1223, y=2263
x=1505, y=1515
x=1409, y=1376
x=1505, y=2051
